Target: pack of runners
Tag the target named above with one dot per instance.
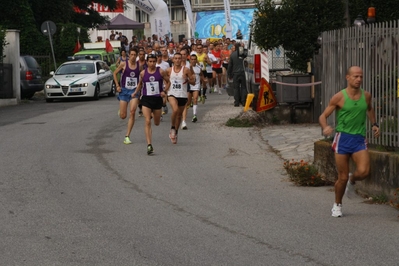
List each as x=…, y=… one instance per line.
x=156, y=75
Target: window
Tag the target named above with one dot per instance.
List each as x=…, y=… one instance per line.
x=142, y=17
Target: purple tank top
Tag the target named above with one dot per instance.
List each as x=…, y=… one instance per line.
x=130, y=77
x=152, y=83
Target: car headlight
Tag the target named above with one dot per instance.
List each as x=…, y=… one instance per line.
x=49, y=86
x=80, y=85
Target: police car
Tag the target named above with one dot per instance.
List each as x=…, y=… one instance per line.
x=82, y=78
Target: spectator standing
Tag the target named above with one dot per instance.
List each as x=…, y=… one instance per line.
x=239, y=34
x=236, y=72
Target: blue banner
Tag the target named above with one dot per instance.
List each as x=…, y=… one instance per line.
x=212, y=24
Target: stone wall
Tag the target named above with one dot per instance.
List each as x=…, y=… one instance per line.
x=384, y=166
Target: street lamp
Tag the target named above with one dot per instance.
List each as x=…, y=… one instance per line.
x=359, y=21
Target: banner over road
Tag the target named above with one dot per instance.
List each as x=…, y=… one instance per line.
x=212, y=24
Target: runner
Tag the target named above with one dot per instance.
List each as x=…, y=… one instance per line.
x=217, y=68
x=190, y=100
x=130, y=73
x=142, y=66
x=202, y=61
x=193, y=92
x=225, y=57
x=211, y=59
x=177, y=96
x=152, y=81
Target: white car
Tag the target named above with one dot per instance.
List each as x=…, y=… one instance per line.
x=83, y=78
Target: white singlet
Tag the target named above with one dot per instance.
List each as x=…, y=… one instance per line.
x=178, y=83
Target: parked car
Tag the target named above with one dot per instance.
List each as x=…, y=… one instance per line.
x=83, y=78
x=31, y=76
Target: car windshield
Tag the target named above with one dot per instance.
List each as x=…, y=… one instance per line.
x=88, y=56
x=76, y=68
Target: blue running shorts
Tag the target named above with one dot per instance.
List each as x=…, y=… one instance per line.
x=345, y=143
x=126, y=95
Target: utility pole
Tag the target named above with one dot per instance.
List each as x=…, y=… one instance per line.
x=347, y=18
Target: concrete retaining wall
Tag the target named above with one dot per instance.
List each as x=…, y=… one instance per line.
x=384, y=169
x=289, y=114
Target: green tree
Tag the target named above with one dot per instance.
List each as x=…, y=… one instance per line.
x=2, y=42
x=295, y=25
x=27, y=16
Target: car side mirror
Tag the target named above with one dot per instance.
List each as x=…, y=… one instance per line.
x=52, y=73
x=101, y=71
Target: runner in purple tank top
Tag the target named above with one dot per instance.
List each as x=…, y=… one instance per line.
x=151, y=84
x=130, y=76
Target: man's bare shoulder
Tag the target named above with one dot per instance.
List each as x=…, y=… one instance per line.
x=337, y=98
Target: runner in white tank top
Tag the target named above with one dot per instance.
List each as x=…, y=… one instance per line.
x=180, y=76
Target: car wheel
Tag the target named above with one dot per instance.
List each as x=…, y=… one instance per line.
x=49, y=100
x=113, y=90
x=96, y=95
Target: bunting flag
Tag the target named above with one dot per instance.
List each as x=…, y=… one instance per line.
x=108, y=46
x=227, y=16
x=77, y=47
x=190, y=16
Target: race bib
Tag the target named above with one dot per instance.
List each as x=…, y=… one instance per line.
x=209, y=69
x=177, y=86
x=152, y=88
x=131, y=83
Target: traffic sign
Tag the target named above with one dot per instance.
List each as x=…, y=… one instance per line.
x=48, y=27
x=266, y=98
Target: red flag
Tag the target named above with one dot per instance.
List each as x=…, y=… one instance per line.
x=77, y=47
x=108, y=46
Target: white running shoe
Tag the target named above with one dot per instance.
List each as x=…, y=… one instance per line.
x=337, y=210
x=350, y=188
x=173, y=136
x=183, y=125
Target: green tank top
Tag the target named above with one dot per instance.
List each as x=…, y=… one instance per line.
x=351, y=118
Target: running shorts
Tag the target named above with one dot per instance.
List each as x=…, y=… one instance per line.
x=345, y=143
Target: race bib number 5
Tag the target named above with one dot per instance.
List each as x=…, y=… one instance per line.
x=131, y=83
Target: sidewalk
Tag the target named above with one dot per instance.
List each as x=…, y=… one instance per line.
x=290, y=141
x=293, y=141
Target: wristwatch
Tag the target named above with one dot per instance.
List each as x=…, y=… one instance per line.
x=376, y=125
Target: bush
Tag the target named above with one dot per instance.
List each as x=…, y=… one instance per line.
x=305, y=174
x=236, y=122
x=395, y=201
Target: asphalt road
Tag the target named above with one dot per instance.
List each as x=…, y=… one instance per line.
x=71, y=193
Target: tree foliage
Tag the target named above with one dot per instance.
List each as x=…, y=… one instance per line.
x=296, y=24
x=27, y=16
x=3, y=42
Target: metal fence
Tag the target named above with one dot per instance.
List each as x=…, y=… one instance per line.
x=46, y=64
x=374, y=48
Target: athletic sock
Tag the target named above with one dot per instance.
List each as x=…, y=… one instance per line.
x=195, y=109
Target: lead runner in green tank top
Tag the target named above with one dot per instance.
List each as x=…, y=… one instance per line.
x=353, y=105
